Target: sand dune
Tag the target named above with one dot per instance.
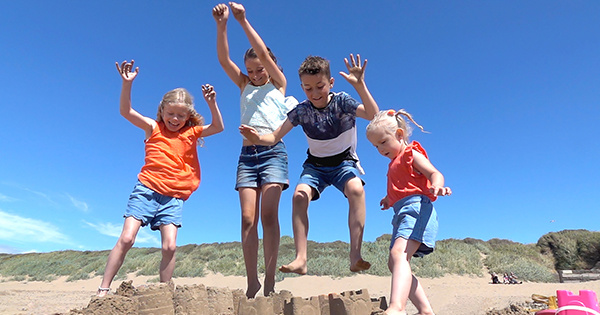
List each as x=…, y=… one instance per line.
x=451, y=295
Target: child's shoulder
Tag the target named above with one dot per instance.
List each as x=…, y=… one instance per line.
x=345, y=102
x=416, y=146
x=343, y=97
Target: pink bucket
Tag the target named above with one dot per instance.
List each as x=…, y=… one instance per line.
x=586, y=303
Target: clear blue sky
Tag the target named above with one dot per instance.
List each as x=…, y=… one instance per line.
x=509, y=91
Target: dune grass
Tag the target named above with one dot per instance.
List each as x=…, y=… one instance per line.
x=531, y=262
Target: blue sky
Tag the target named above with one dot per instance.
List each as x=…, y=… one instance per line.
x=509, y=91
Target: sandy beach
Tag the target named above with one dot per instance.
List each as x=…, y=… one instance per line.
x=452, y=295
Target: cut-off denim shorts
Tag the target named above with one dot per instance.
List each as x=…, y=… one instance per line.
x=153, y=208
x=415, y=218
x=259, y=165
x=320, y=177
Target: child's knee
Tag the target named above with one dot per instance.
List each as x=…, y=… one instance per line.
x=169, y=247
x=398, y=255
x=248, y=222
x=126, y=241
x=269, y=219
x=301, y=197
x=354, y=189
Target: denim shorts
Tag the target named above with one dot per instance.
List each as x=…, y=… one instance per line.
x=319, y=177
x=259, y=165
x=153, y=208
x=415, y=219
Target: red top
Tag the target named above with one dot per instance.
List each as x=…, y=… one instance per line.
x=403, y=179
x=172, y=167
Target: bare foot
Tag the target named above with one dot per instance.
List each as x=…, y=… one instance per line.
x=252, y=290
x=394, y=312
x=360, y=265
x=295, y=267
x=102, y=292
x=269, y=287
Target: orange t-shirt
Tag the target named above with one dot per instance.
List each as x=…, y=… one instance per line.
x=403, y=179
x=171, y=165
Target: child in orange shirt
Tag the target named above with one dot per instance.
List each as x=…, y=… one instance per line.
x=170, y=174
x=413, y=184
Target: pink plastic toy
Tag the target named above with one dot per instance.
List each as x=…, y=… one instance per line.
x=585, y=299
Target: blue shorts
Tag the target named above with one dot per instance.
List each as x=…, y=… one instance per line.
x=415, y=219
x=153, y=208
x=319, y=177
x=259, y=165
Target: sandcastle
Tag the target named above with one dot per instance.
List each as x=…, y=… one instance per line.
x=169, y=299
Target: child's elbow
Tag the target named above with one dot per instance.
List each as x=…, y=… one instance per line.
x=367, y=115
x=220, y=127
x=124, y=112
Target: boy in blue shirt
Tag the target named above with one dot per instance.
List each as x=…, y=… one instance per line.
x=329, y=122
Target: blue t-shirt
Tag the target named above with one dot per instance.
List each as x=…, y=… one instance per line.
x=331, y=130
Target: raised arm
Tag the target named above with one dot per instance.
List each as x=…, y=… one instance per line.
x=216, y=125
x=269, y=139
x=221, y=14
x=277, y=76
x=137, y=119
x=356, y=77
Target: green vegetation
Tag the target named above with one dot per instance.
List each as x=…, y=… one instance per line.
x=569, y=249
x=572, y=249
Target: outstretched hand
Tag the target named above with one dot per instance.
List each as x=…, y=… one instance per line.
x=238, y=10
x=384, y=203
x=249, y=133
x=125, y=71
x=209, y=93
x=440, y=191
x=356, y=70
x=220, y=12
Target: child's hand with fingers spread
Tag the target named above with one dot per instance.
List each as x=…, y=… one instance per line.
x=249, y=133
x=125, y=70
x=356, y=70
x=238, y=10
x=221, y=13
x=209, y=93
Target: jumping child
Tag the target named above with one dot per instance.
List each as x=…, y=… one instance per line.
x=262, y=172
x=413, y=184
x=170, y=174
x=329, y=122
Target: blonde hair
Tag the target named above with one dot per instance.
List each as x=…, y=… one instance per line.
x=392, y=120
x=180, y=96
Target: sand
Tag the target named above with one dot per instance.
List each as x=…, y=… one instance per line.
x=452, y=295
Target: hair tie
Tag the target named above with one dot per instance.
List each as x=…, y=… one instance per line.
x=391, y=112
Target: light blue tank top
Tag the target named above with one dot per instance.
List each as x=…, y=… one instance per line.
x=264, y=107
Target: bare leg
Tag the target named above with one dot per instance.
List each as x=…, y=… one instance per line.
x=249, y=202
x=356, y=222
x=117, y=254
x=404, y=284
x=168, y=234
x=301, y=199
x=269, y=216
x=419, y=299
